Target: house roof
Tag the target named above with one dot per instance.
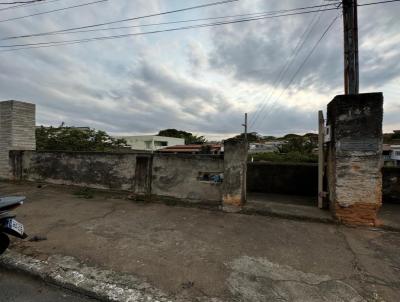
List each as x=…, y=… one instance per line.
x=190, y=148
x=386, y=147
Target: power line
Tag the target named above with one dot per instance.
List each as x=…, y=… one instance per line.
x=19, y=2
x=27, y=5
x=121, y=27
x=71, y=31
x=52, y=11
x=264, y=103
x=151, y=15
x=301, y=42
x=157, y=31
x=16, y=47
x=76, y=29
x=378, y=2
x=305, y=61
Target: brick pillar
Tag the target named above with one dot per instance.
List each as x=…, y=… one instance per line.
x=235, y=169
x=17, y=131
x=354, y=157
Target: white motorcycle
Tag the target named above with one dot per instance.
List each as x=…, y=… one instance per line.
x=8, y=225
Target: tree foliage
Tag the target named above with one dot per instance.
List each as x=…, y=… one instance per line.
x=299, y=144
x=296, y=149
x=396, y=135
x=252, y=137
x=189, y=138
x=74, y=139
x=291, y=135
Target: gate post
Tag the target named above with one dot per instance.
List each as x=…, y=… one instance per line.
x=355, y=157
x=17, y=131
x=235, y=171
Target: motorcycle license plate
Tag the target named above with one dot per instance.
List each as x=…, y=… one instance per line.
x=15, y=226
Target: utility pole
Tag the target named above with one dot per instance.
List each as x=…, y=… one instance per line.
x=245, y=127
x=351, y=67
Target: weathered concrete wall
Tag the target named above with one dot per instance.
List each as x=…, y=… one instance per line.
x=235, y=169
x=17, y=131
x=301, y=179
x=91, y=169
x=283, y=178
x=169, y=175
x=179, y=176
x=354, y=157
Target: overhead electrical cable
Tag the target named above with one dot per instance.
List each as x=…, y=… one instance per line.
x=20, y=2
x=304, y=62
x=264, y=103
x=378, y=2
x=286, y=67
x=28, y=5
x=76, y=29
x=52, y=11
x=134, y=26
x=84, y=40
x=15, y=47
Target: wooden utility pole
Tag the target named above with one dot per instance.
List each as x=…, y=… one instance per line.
x=321, y=160
x=245, y=127
x=350, y=26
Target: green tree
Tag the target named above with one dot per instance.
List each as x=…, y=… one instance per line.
x=291, y=135
x=251, y=137
x=74, y=139
x=396, y=135
x=298, y=144
x=189, y=138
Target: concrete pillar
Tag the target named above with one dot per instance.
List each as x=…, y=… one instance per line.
x=17, y=131
x=354, y=157
x=235, y=169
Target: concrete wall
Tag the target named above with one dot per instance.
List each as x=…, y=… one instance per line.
x=301, y=179
x=283, y=178
x=169, y=175
x=91, y=169
x=355, y=157
x=235, y=167
x=17, y=131
x=178, y=176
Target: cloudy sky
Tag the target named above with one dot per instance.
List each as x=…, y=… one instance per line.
x=201, y=80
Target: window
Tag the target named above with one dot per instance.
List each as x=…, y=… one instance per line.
x=160, y=143
x=397, y=153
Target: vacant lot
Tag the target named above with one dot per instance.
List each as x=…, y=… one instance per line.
x=192, y=253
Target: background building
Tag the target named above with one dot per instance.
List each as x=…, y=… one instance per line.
x=151, y=142
x=265, y=147
x=391, y=155
x=194, y=149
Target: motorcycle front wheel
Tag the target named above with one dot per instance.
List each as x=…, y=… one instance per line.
x=4, y=242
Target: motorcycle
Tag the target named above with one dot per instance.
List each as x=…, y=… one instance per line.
x=8, y=225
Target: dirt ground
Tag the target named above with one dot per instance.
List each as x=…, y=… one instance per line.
x=191, y=253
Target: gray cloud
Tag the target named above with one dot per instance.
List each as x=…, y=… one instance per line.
x=257, y=51
x=188, y=80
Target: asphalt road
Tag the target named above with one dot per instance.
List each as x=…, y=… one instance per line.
x=16, y=287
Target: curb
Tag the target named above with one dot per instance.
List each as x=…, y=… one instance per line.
x=67, y=272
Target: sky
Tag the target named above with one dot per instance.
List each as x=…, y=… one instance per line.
x=200, y=80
